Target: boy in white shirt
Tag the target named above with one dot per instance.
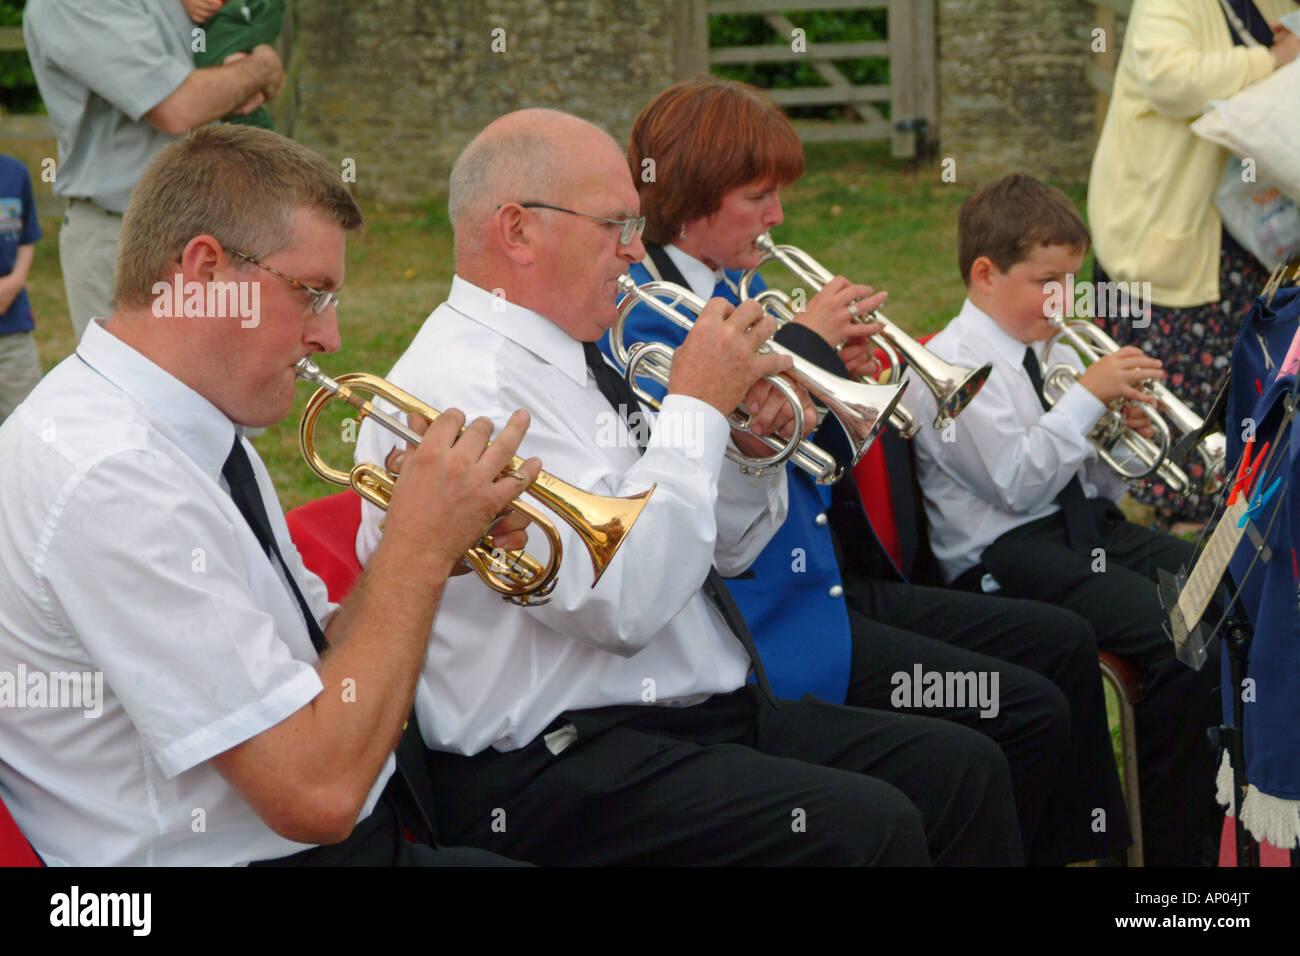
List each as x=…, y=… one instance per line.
x=1020, y=504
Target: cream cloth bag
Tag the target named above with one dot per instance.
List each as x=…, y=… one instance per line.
x=1257, y=199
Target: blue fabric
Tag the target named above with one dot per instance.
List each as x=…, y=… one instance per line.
x=1254, y=21
x=1269, y=592
x=802, y=633
x=18, y=227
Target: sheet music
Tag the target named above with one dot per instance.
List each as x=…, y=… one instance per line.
x=1212, y=564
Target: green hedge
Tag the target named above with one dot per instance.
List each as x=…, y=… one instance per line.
x=18, y=91
x=825, y=26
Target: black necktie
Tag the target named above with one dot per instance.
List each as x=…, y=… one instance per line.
x=619, y=393
x=1080, y=523
x=238, y=472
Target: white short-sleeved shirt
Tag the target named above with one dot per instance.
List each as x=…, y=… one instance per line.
x=125, y=564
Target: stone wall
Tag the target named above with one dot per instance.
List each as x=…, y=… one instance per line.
x=1012, y=88
x=400, y=86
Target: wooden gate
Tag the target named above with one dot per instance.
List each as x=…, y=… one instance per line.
x=909, y=46
x=1101, y=70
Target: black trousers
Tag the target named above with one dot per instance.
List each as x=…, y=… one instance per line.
x=736, y=781
x=380, y=840
x=1176, y=765
x=1051, y=715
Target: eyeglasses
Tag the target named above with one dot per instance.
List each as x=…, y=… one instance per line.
x=629, y=229
x=321, y=299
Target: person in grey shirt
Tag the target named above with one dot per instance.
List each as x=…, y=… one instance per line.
x=119, y=81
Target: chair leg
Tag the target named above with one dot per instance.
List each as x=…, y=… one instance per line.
x=1128, y=754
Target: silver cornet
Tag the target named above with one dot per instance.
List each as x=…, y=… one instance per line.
x=952, y=386
x=1146, y=457
x=860, y=409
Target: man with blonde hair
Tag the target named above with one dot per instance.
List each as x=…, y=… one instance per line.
x=144, y=563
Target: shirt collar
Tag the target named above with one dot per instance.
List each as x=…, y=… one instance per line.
x=196, y=426
x=698, y=276
x=983, y=326
x=524, y=327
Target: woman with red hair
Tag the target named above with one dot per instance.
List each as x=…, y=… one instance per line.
x=832, y=614
x=709, y=158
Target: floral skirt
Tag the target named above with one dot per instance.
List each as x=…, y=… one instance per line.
x=1195, y=345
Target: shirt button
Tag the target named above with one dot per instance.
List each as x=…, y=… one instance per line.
x=820, y=520
x=836, y=591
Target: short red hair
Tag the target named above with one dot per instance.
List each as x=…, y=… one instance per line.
x=706, y=136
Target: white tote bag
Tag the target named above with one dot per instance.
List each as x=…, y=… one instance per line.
x=1257, y=200
x=1262, y=123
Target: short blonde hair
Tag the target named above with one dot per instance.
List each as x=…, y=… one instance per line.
x=238, y=184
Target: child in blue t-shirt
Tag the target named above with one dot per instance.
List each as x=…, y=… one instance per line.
x=20, y=365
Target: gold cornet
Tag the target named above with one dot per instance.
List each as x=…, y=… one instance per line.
x=860, y=409
x=1145, y=456
x=601, y=522
x=952, y=386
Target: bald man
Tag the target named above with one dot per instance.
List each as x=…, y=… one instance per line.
x=615, y=724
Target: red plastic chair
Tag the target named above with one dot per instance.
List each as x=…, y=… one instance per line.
x=1122, y=676
x=14, y=848
x=1269, y=855
x=872, y=478
x=325, y=533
